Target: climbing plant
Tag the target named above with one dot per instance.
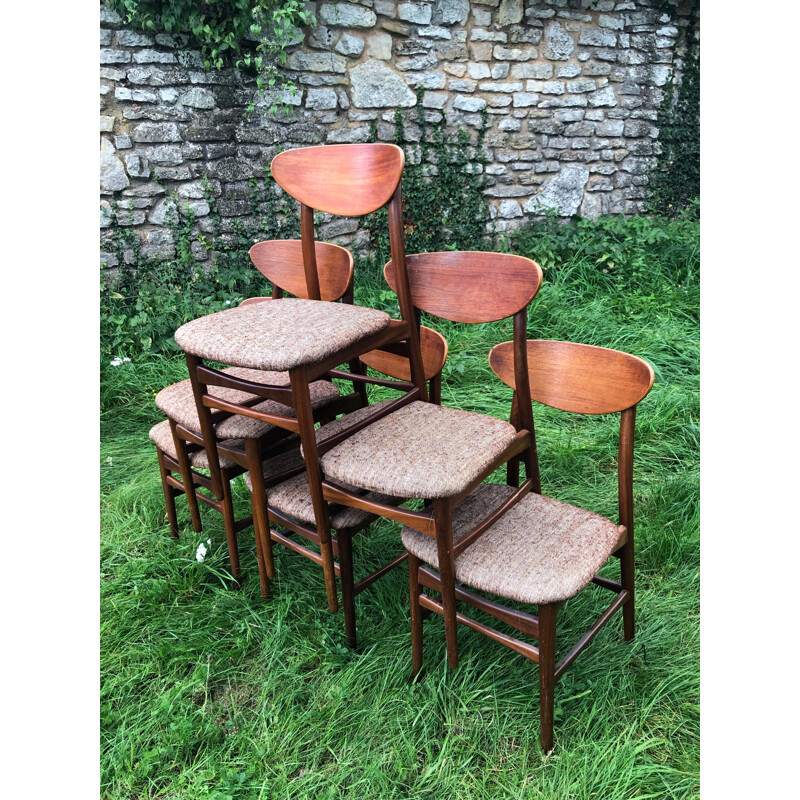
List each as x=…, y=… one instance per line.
x=675, y=180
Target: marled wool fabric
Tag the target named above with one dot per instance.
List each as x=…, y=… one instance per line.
x=177, y=402
x=293, y=497
x=421, y=450
x=279, y=335
x=541, y=551
x=161, y=434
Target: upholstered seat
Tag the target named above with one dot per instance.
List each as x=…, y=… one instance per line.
x=281, y=334
x=541, y=551
x=421, y=450
x=161, y=435
x=177, y=402
x=293, y=497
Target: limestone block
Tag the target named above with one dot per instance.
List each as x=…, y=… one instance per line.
x=427, y=80
x=500, y=71
x=603, y=97
x=500, y=87
x=434, y=32
x=379, y=45
x=350, y=45
x=156, y=132
x=417, y=63
x=346, y=15
x=563, y=193
x=108, y=56
x=581, y=86
x=386, y=9
x=597, y=38
x=469, y=103
x=322, y=37
x=133, y=39
x=481, y=35
x=569, y=71
x=316, y=62
x=321, y=99
x=112, y=173
x=614, y=23
x=153, y=57
x=106, y=37
x=462, y=86
x=536, y=71
x=449, y=12
x=137, y=166
x=418, y=13
x=481, y=17
x=165, y=155
x=109, y=16
x=510, y=12
x=478, y=71
x=435, y=100
x=374, y=85
x=514, y=53
x=107, y=124
x=509, y=209
x=558, y=44
x=525, y=99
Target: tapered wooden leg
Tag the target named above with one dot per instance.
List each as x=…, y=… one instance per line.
x=443, y=517
x=345, y=539
x=627, y=570
x=357, y=368
x=186, y=476
x=169, y=496
x=308, y=439
x=258, y=501
x=229, y=521
x=547, y=667
x=416, y=615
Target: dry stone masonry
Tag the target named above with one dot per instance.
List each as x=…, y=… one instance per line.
x=571, y=89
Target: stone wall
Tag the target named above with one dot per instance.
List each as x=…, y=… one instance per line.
x=571, y=89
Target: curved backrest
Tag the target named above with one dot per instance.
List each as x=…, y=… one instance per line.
x=348, y=180
x=577, y=377
x=281, y=261
x=434, y=355
x=470, y=286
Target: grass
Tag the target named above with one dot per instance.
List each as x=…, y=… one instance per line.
x=211, y=693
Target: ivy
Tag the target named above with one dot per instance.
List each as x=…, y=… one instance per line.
x=675, y=180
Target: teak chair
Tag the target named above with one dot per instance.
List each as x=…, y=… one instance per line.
x=179, y=440
x=442, y=454
x=289, y=497
x=542, y=551
x=304, y=338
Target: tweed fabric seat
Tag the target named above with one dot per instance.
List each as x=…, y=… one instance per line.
x=279, y=335
x=161, y=436
x=420, y=450
x=541, y=551
x=177, y=402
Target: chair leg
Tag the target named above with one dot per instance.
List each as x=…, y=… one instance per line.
x=169, y=496
x=187, y=479
x=443, y=516
x=416, y=615
x=345, y=540
x=258, y=501
x=547, y=667
x=627, y=570
x=229, y=520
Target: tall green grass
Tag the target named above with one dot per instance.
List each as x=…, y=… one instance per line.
x=212, y=693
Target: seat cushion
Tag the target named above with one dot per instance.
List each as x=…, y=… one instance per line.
x=293, y=497
x=421, y=450
x=541, y=551
x=177, y=402
x=281, y=334
x=161, y=435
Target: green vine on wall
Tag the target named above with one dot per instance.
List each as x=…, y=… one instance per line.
x=675, y=180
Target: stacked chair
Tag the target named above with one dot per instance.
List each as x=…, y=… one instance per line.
x=323, y=484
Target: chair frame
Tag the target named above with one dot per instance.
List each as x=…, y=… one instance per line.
x=315, y=177
x=430, y=275
x=543, y=626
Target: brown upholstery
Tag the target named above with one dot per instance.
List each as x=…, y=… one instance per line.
x=541, y=551
x=177, y=402
x=421, y=450
x=161, y=434
x=281, y=334
x=293, y=496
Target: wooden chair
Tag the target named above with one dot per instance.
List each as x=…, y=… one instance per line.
x=179, y=440
x=303, y=338
x=542, y=551
x=289, y=498
x=436, y=453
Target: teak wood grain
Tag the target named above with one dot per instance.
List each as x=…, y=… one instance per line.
x=580, y=378
x=434, y=355
x=470, y=286
x=281, y=262
x=348, y=180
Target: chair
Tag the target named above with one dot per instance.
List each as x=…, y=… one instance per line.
x=436, y=453
x=179, y=440
x=542, y=551
x=303, y=337
x=289, y=498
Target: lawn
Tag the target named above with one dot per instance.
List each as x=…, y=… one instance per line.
x=212, y=693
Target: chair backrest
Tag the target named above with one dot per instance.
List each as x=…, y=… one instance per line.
x=281, y=262
x=585, y=379
x=574, y=377
x=434, y=356
x=348, y=180
x=470, y=286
